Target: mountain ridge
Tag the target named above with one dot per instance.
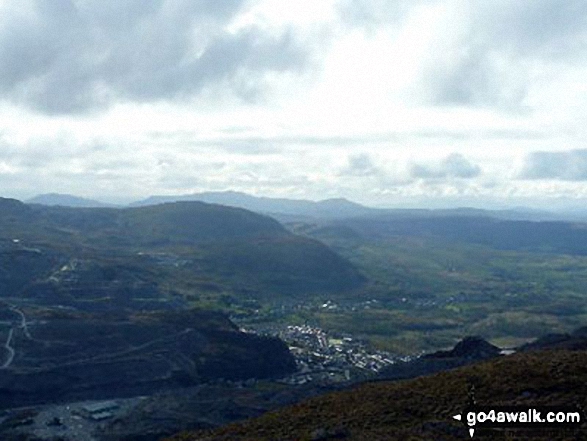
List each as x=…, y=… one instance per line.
x=335, y=207
x=67, y=200
x=291, y=210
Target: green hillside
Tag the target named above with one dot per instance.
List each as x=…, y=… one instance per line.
x=431, y=280
x=191, y=251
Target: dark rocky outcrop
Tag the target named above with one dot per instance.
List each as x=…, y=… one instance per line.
x=472, y=348
x=467, y=351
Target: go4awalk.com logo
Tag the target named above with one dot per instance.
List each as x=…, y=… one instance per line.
x=516, y=417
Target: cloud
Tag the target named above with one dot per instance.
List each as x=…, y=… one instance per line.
x=361, y=165
x=569, y=165
x=61, y=56
x=526, y=27
x=479, y=79
x=453, y=166
x=370, y=13
x=494, y=61
x=540, y=28
x=478, y=53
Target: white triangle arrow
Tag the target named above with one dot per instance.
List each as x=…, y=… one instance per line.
x=457, y=417
x=471, y=432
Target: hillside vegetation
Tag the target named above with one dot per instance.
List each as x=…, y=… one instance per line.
x=422, y=408
x=432, y=280
x=190, y=251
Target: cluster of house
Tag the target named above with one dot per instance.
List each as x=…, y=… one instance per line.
x=325, y=359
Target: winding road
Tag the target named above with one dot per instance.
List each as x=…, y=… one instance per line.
x=8, y=344
x=10, y=349
x=23, y=323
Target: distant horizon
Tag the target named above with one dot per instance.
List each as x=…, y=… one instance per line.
x=561, y=206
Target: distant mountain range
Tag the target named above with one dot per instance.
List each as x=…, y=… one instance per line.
x=329, y=208
x=66, y=200
x=339, y=208
x=291, y=210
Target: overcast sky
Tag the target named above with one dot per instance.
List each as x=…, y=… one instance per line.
x=384, y=102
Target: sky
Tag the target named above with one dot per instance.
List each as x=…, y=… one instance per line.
x=390, y=103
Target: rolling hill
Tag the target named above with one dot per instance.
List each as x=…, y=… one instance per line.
x=177, y=247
